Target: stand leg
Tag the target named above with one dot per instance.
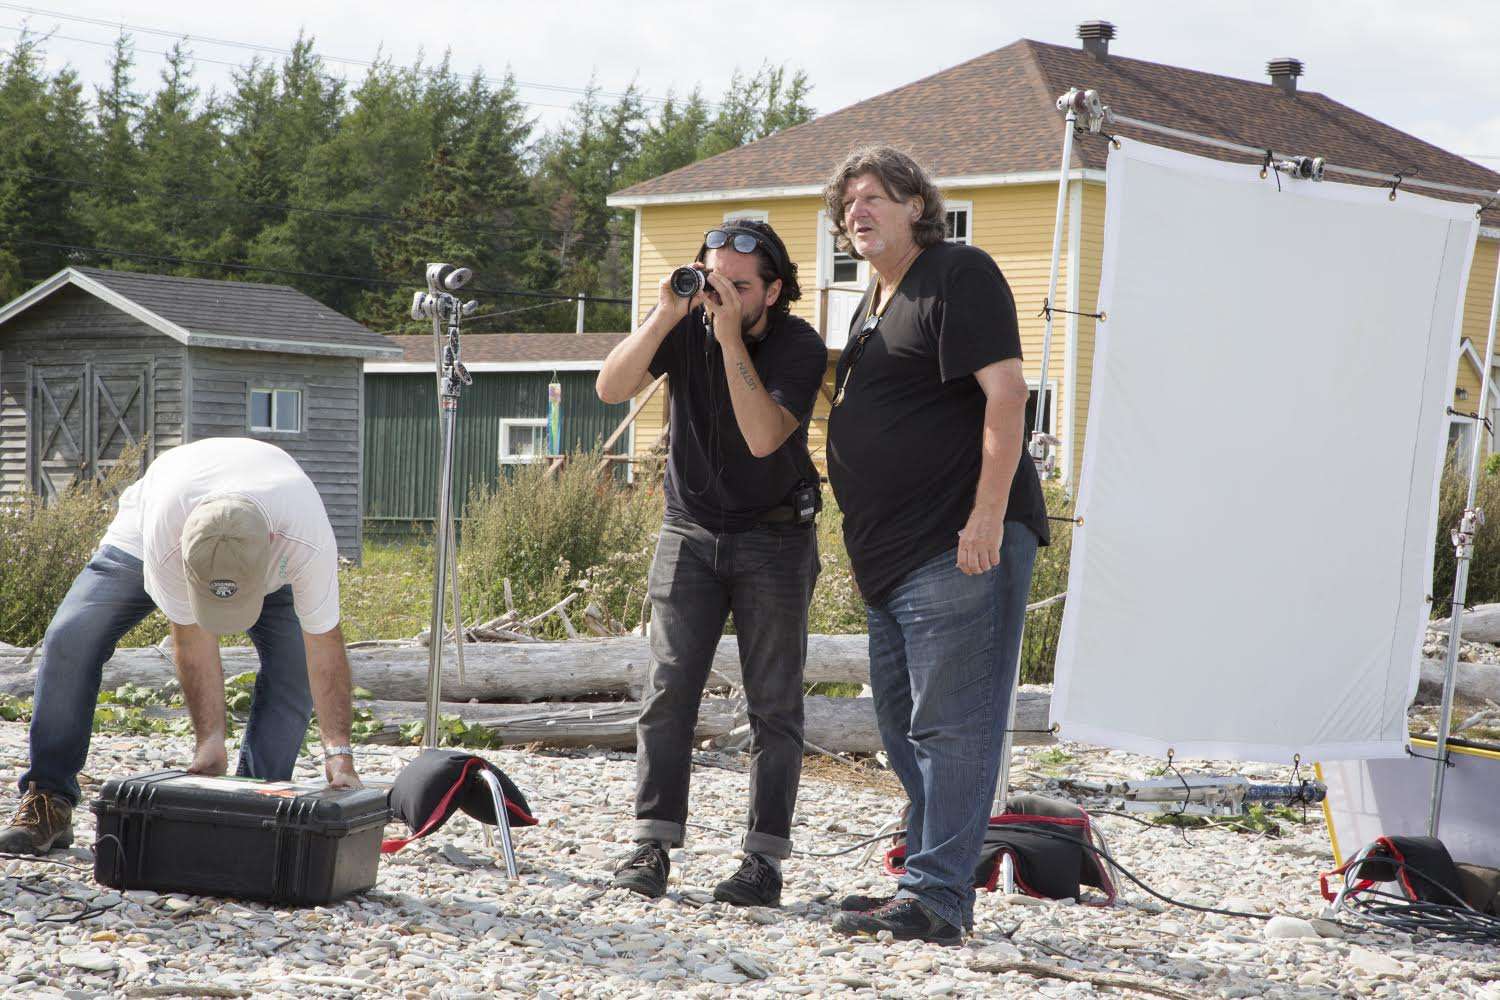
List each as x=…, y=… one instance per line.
x=440, y=575
x=507, y=848
x=458, y=606
x=1007, y=743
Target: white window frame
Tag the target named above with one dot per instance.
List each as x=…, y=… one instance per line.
x=1466, y=423
x=827, y=249
x=274, y=392
x=1052, y=404
x=506, y=423
x=966, y=207
x=751, y=214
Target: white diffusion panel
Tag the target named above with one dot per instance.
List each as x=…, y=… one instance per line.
x=1259, y=483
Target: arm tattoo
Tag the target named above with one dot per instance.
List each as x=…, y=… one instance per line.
x=745, y=374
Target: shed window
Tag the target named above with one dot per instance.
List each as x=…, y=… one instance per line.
x=276, y=410
x=956, y=225
x=523, y=440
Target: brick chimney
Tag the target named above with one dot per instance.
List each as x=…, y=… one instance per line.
x=1284, y=73
x=1096, y=36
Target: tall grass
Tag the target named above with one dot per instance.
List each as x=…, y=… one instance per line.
x=1049, y=576
x=1484, y=568
x=43, y=546
x=551, y=535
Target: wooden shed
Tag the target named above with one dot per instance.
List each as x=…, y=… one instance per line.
x=94, y=360
x=502, y=417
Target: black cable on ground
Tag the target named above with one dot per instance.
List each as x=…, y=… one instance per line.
x=1459, y=922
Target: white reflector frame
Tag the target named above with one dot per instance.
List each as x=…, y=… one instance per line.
x=1266, y=429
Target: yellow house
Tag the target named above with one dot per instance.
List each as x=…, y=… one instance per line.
x=989, y=132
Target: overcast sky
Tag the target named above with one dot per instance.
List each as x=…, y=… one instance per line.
x=1432, y=69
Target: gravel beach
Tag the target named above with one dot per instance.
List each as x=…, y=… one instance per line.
x=444, y=922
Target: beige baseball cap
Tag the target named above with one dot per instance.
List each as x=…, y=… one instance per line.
x=226, y=550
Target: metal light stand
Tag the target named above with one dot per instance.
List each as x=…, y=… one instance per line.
x=441, y=305
x=438, y=339
x=1463, y=548
x=1095, y=115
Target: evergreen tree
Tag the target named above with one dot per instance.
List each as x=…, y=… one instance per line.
x=43, y=128
x=476, y=207
x=105, y=208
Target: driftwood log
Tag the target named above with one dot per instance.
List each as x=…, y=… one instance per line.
x=842, y=724
x=1473, y=682
x=1480, y=625
x=493, y=671
x=846, y=725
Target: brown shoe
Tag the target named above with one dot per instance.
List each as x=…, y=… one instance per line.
x=43, y=821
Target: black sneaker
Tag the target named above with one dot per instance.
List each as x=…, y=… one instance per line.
x=865, y=904
x=757, y=883
x=906, y=919
x=42, y=822
x=645, y=871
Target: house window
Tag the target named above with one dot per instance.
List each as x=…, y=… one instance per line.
x=752, y=214
x=277, y=410
x=845, y=267
x=956, y=226
x=1460, y=437
x=522, y=440
x=1046, y=413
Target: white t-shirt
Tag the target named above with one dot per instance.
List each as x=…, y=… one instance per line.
x=304, y=552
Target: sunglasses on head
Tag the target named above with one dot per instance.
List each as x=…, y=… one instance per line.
x=742, y=241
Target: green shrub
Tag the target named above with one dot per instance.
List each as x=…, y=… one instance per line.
x=1049, y=577
x=550, y=535
x=1484, y=568
x=43, y=546
x=836, y=605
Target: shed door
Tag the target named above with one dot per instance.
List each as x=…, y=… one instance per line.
x=120, y=411
x=83, y=418
x=59, y=427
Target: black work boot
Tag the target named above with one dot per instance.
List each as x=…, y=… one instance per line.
x=757, y=883
x=865, y=904
x=645, y=871
x=43, y=821
x=906, y=919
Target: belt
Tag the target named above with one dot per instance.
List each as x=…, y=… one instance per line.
x=785, y=514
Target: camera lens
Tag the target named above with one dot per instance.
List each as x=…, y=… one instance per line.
x=686, y=282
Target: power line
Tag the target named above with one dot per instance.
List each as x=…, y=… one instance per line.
x=381, y=218
x=362, y=279
x=256, y=47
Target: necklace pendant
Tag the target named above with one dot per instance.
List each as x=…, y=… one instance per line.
x=838, y=397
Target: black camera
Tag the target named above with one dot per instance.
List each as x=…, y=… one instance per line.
x=686, y=282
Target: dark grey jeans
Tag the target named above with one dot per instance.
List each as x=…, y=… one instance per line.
x=764, y=577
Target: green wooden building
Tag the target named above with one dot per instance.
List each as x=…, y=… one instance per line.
x=502, y=417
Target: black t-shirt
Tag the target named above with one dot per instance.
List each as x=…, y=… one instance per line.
x=904, y=443
x=712, y=478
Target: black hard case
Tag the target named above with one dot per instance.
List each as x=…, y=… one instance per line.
x=278, y=841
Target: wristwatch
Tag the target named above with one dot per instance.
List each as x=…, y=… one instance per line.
x=338, y=752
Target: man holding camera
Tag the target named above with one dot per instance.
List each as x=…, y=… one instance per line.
x=741, y=495
x=223, y=535
x=943, y=513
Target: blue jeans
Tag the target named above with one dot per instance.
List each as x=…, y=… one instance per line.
x=943, y=657
x=109, y=599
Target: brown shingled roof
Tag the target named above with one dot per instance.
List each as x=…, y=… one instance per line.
x=515, y=347
x=996, y=114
